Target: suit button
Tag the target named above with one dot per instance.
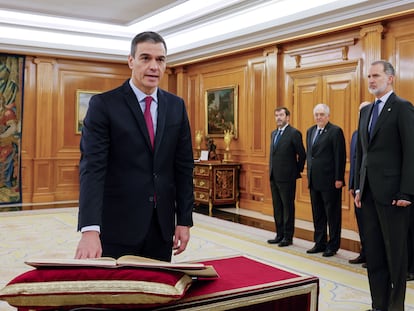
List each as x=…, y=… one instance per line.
x=151, y=199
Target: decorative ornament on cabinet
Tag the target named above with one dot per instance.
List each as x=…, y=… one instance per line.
x=228, y=137
x=198, y=139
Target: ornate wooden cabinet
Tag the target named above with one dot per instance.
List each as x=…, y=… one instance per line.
x=216, y=183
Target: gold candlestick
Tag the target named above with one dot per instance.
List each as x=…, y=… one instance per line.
x=198, y=140
x=228, y=137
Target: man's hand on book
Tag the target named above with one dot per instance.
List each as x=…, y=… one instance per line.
x=89, y=246
x=181, y=238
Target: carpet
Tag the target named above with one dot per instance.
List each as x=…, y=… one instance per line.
x=52, y=233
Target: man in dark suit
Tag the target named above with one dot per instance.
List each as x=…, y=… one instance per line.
x=326, y=156
x=385, y=179
x=410, y=247
x=287, y=159
x=136, y=167
x=358, y=213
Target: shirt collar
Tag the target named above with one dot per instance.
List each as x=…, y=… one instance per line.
x=385, y=97
x=283, y=128
x=141, y=95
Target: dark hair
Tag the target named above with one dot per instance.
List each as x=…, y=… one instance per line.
x=287, y=112
x=147, y=36
x=388, y=68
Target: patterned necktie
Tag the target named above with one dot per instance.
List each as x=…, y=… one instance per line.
x=279, y=133
x=374, y=118
x=148, y=119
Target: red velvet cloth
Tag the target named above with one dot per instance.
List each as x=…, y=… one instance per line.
x=245, y=278
x=98, y=274
x=239, y=277
x=238, y=273
x=73, y=278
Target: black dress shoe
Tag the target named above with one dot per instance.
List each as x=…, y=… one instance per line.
x=328, y=253
x=410, y=276
x=364, y=265
x=357, y=260
x=276, y=240
x=316, y=249
x=285, y=242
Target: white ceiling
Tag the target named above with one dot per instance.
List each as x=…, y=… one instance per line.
x=103, y=29
x=122, y=12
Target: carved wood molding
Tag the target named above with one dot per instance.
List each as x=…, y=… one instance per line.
x=345, y=66
x=324, y=47
x=378, y=28
x=270, y=50
x=44, y=60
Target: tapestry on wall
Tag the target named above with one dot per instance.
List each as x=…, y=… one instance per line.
x=11, y=108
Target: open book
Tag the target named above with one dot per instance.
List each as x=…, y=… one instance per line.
x=192, y=269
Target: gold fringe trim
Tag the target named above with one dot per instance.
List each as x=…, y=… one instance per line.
x=93, y=292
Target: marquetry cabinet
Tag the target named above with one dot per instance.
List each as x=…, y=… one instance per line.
x=216, y=183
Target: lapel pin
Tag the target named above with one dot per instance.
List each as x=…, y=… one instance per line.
x=389, y=109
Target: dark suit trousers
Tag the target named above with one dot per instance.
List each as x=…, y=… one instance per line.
x=386, y=230
x=326, y=212
x=411, y=242
x=283, y=196
x=360, y=223
x=153, y=246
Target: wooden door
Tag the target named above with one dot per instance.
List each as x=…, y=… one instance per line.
x=339, y=89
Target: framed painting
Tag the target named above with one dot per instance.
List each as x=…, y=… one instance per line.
x=221, y=111
x=82, y=104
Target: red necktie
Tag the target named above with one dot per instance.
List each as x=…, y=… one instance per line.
x=148, y=119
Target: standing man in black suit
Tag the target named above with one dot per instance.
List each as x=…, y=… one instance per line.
x=287, y=160
x=361, y=258
x=385, y=178
x=326, y=157
x=136, y=167
x=410, y=247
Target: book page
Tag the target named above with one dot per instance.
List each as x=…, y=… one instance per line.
x=191, y=269
x=71, y=262
x=137, y=261
x=208, y=272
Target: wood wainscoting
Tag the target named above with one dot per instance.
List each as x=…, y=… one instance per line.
x=298, y=73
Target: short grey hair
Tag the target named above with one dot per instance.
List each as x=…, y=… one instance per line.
x=325, y=108
x=388, y=68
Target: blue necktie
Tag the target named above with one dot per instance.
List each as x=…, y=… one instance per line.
x=279, y=133
x=317, y=136
x=374, y=118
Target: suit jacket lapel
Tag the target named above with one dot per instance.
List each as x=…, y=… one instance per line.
x=383, y=115
x=310, y=136
x=162, y=115
x=321, y=136
x=364, y=122
x=272, y=142
x=133, y=104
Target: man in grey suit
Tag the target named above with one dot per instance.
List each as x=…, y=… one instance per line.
x=384, y=179
x=136, y=167
x=287, y=159
x=326, y=157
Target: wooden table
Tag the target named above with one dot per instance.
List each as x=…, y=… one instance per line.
x=246, y=284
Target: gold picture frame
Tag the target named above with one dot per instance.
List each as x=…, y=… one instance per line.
x=221, y=110
x=82, y=104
